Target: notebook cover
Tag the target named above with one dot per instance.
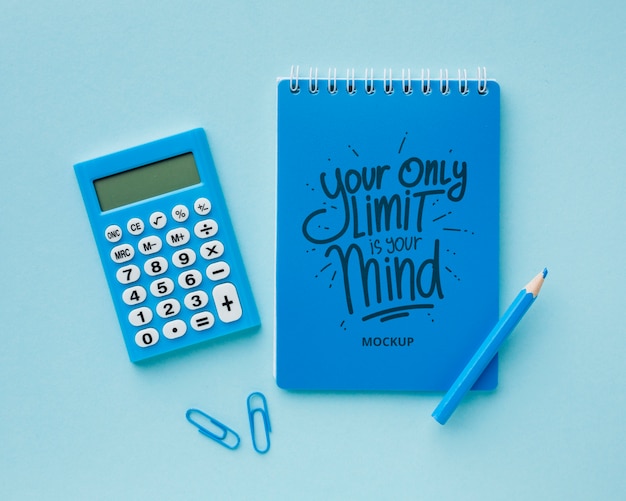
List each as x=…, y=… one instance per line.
x=387, y=235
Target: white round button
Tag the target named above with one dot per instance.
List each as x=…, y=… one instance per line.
x=140, y=316
x=184, y=257
x=134, y=295
x=146, y=337
x=168, y=308
x=113, y=233
x=158, y=220
x=174, y=329
x=163, y=287
x=190, y=279
x=202, y=321
x=180, y=213
x=202, y=206
x=128, y=274
x=155, y=266
x=135, y=226
x=197, y=299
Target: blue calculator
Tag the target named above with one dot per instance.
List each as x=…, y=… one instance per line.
x=167, y=245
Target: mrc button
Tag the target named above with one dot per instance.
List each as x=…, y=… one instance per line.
x=122, y=253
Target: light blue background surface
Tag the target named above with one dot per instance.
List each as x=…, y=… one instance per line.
x=78, y=421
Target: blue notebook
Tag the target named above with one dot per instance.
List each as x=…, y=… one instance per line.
x=387, y=232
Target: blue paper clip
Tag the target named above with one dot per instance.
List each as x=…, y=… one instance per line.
x=220, y=438
x=266, y=421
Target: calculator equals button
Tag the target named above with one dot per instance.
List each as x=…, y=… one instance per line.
x=202, y=321
x=227, y=302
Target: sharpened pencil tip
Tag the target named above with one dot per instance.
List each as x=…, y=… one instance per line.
x=545, y=272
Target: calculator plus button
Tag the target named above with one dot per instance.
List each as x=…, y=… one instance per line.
x=184, y=257
x=202, y=321
x=180, y=213
x=128, y=274
x=202, y=206
x=122, y=253
x=197, y=299
x=158, y=220
x=150, y=245
x=113, y=233
x=205, y=228
x=212, y=249
x=135, y=226
x=155, y=266
x=174, y=329
x=134, y=295
x=162, y=287
x=146, y=337
x=140, y=316
x=227, y=302
x=218, y=271
x=178, y=237
x=190, y=279
x=168, y=308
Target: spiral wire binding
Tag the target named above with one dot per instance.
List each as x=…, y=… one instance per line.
x=370, y=88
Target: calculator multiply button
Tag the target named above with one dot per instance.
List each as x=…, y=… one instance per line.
x=113, y=233
x=128, y=274
x=202, y=206
x=183, y=257
x=122, y=253
x=197, y=299
x=174, y=329
x=158, y=220
x=205, y=228
x=218, y=271
x=190, y=279
x=134, y=295
x=135, y=226
x=155, y=266
x=202, y=321
x=140, y=316
x=168, y=308
x=162, y=287
x=180, y=213
x=212, y=249
x=146, y=337
x=227, y=302
x=150, y=245
x=178, y=237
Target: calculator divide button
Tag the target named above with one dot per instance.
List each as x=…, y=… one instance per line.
x=205, y=228
x=122, y=253
x=150, y=245
x=178, y=237
x=227, y=302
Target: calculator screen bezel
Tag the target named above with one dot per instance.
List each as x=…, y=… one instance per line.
x=146, y=181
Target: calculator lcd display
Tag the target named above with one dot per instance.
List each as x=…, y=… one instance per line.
x=146, y=181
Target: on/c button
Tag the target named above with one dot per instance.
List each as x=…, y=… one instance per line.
x=227, y=302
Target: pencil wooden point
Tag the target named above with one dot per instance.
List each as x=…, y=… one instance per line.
x=534, y=286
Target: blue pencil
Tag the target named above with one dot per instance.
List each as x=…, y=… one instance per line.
x=489, y=348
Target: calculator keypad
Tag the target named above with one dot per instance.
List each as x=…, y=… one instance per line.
x=173, y=259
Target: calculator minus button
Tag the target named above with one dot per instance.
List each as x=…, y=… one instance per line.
x=218, y=271
x=122, y=253
x=178, y=237
x=227, y=302
x=150, y=245
x=174, y=329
